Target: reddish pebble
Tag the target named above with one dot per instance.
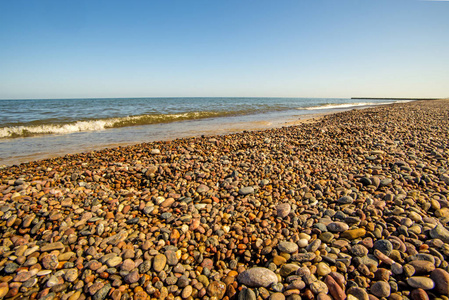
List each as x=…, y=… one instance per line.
x=126, y=209
x=334, y=289
x=13, y=292
x=368, y=242
x=419, y=294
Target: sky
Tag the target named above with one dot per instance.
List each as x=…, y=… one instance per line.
x=227, y=48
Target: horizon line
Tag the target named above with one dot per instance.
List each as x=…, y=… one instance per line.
x=197, y=97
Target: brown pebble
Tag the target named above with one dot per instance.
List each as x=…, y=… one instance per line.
x=419, y=294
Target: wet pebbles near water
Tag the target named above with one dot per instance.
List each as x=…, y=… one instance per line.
x=351, y=207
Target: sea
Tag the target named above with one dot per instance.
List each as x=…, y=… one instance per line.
x=35, y=129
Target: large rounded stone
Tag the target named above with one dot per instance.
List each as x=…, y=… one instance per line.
x=257, y=277
x=202, y=189
x=419, y=294
x=71, y=275
x=384, y=246
x=422, y=266
x=216, y=289
x=50, y=261
x=421, y=282
x=319, y=287
x=282, y=210
x=441, y=279
x=439, y=232
x=359, y=250
x=381, y=289
x=132, y=277
x=287, y=247
x=246, y=190
x=337, y=227
x=159, y=262
x=323, y=269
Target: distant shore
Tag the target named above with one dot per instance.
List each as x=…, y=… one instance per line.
x=374, y=98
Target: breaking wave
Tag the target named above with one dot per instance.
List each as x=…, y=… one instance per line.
x=348, y=105
x=343, y=105
x=94, y=125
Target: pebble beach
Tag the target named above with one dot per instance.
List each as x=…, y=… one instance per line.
x=351, y=206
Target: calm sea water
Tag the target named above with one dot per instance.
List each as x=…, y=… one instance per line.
x=37, y=129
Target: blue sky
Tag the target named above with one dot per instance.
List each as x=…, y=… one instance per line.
x=313, y=48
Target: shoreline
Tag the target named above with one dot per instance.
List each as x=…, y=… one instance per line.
x=354, y=203
x=414, y=99
x=220, y=127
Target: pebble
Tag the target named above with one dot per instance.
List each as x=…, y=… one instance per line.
x=283, y=210
x=421, y=282
x=383, y=246
x=172, y=259
x=277, y=296
x=422, y=266
x=419, y=294
x=132, y=277
x=216, y=289
x=345, y=200
x=102, y=293
x=50, y=261
x=4, y=289
x=358, y=293
x=159, y=262
x=318, y=287
x=381, y=289
x=439, y=232
x=10, y=268
x=287, y=247
x=288, y=269
x=441, y=279
x=71, y=275
x=335, y=289
x=353, y=234
x=247, y=294
x=323, y=269
x=337, y=227
x=246, y=190
x=257, y=277
x=359, y=250
x=52, y=246
x=114, y=261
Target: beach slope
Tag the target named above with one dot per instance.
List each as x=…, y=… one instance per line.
x=352, y=204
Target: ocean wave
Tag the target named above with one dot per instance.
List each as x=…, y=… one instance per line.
x=342, y=105
x=95, y=125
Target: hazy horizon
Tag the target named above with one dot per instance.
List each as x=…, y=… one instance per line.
x=291, y=49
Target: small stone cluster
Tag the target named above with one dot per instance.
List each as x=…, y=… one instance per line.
x=353, y=206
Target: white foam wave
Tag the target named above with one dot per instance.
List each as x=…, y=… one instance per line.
x=16, y=131
x=343, y=105
x=95, y=125
x=403, y=101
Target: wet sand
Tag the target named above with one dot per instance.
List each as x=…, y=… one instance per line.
x=350, y=206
